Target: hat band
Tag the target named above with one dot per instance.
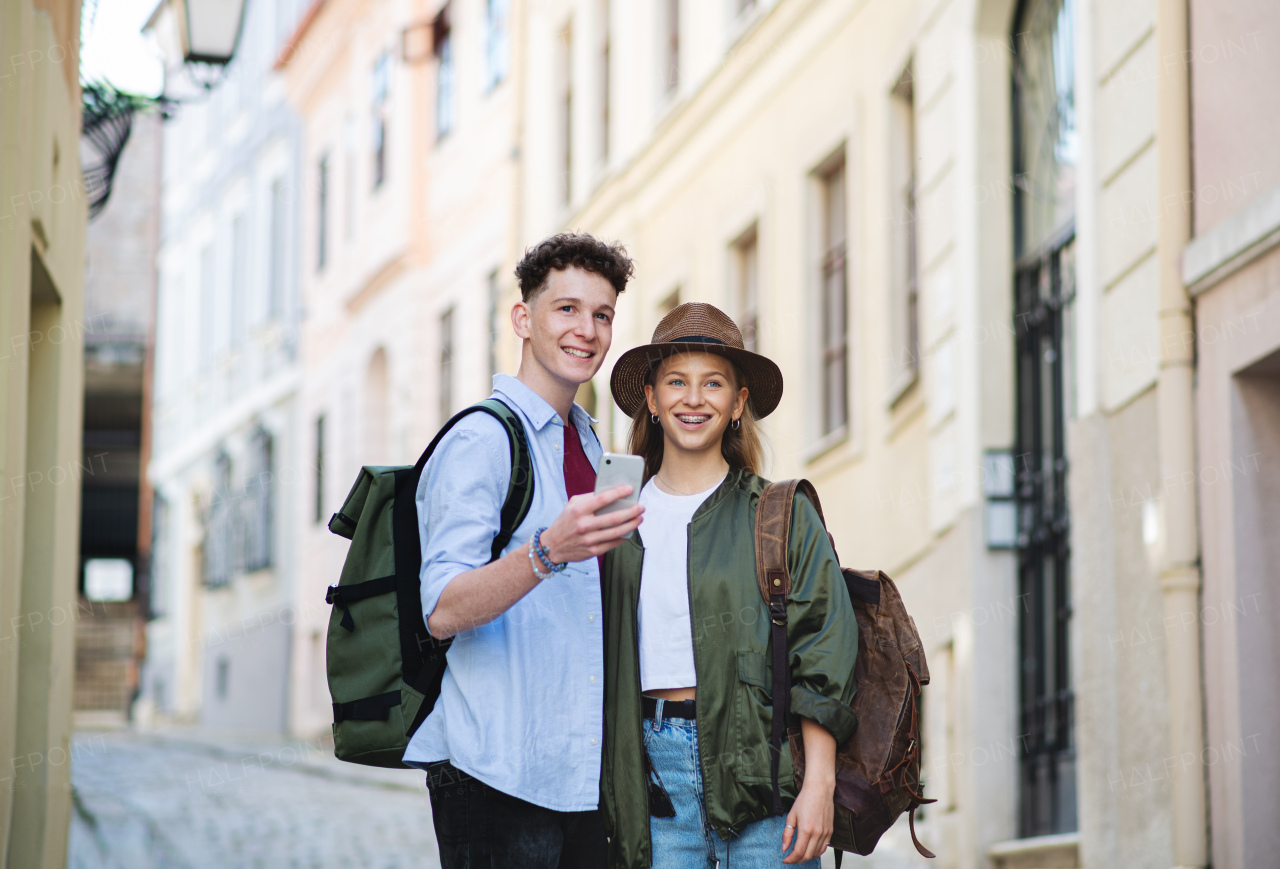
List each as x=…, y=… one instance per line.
x=697, y=339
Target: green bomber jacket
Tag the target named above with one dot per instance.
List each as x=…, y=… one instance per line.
x=732, y=659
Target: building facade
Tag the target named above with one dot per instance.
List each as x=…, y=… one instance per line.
x=1232, y=267
x=42, y=246
x=1028, y=332
x=409, y=156
x=959, y=228
x=224, y=408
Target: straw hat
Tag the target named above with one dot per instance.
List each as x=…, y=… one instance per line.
x=696, y=327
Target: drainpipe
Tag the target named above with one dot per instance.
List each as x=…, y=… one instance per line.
x=1179, y=561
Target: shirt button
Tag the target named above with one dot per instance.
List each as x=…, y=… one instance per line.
x=593, y=740
x=593, y=679
x=591, y=618
x=557, y=446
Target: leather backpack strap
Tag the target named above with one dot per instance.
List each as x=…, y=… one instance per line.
x=772, y=541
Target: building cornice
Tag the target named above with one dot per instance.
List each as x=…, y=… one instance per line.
x=1234, y=243
x=299, y=34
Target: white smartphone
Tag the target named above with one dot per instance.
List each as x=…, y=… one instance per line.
x=620, y=469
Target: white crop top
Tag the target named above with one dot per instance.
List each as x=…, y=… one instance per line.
x=666, y=634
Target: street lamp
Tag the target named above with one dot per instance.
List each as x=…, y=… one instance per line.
x=209, y=29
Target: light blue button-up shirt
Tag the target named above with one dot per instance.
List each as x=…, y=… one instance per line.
x=522, y=702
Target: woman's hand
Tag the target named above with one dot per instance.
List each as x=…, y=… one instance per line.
x=809, y=822
x=812, y=815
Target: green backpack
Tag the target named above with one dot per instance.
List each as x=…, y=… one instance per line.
x=384, y=667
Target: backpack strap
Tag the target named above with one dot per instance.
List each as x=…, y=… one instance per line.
x=772, y=541
x=421, y=654
x=520, y=486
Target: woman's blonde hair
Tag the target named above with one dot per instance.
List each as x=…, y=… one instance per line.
x=742, y=447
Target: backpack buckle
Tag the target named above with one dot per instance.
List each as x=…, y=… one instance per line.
x=778, y=613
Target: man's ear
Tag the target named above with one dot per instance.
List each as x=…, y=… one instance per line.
x=522, y=320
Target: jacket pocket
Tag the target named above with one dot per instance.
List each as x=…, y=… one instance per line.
x=754, y=723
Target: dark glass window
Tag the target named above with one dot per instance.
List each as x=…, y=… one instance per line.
x=1045, y=149
x=746, y=253
x=834, y=321
x=220, y=526
x=319, y=469
x=671, y=48
x=566, y=114
x=322, y=213
x=904, y=301
x=497, y=41
x=256, y=513
x=446, y=366
x=381, y=112
x=446, y=84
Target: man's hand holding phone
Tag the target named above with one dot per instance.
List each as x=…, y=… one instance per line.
x=578, y=533
x=593, y=524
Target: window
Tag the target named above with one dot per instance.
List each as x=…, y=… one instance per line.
x=494, y=329
x=158, y=570
x=446, y=365
x=222, y=677
x=497, y=41
x=834, y=327
x=219, y=531
x=208, y=304
x=276, y=254
x=322, y=213
x=381, y=82
x=746, y=290
x=1045, y=149
x=606, y=82
x=256, y=514
x=349, y=179
x=904, y=289
x=446, y=85
x=239, y=294
x=671, y=47
x=319, y=469
x=566, y=114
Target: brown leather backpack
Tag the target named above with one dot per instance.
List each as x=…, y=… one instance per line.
x=878, y=769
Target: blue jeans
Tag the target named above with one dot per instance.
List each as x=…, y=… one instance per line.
x=687, y=841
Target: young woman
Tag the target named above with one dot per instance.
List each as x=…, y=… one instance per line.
x=686, y=779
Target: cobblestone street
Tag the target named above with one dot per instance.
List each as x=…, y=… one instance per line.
x=193, y=799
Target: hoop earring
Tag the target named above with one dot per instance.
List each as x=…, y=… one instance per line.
x=736, y=424
x=653, y=418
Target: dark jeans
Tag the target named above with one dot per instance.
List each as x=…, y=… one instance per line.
x=478, y=827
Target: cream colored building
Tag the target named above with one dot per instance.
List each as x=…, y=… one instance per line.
x=1232, y=268
x=409, y=160
x=964, y=229
x=42, y=231
x=958, y=226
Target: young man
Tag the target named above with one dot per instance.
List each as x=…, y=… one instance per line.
x=512, y=747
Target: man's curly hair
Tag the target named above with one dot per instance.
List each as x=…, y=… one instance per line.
x=580, y=249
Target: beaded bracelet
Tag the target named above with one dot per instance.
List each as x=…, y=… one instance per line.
x=536, y=564
x=544, y=555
